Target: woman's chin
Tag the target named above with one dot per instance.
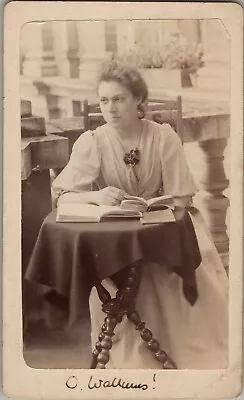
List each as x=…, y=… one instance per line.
x=114, y=122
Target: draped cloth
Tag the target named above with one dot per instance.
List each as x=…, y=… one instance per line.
x=194, y=336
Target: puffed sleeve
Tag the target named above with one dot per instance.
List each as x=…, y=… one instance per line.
x=177, y=179
x=83, y=167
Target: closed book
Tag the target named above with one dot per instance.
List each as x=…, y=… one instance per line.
x=158, y=217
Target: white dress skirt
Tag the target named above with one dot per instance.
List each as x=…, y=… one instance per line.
x=196, y=336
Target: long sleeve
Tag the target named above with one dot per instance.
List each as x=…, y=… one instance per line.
x=83, y=167
x=177, y=179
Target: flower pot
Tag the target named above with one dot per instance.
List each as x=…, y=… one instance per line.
x=159, y=78
x=188, y=77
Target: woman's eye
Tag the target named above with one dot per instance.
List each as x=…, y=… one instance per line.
x=119, y=99
x=103, y=101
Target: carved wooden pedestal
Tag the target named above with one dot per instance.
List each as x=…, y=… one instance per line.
x=213, y=182
x=124, y=304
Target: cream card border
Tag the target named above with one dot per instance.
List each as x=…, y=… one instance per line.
x=21, y=381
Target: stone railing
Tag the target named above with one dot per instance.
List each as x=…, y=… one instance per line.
x=55, y=97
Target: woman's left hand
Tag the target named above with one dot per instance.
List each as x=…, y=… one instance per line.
x=110, y=196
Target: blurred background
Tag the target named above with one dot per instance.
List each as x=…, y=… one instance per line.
x=60, y=58
x=58, y=65
x=191, y=58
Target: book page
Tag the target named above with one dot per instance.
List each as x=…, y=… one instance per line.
x=167, y=200
x=79, y=210
x=136, y=199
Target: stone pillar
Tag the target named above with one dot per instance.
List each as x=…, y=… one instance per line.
x=91, y=48
x=129, y=34
x=213, y=182
x=190, y=29
x=66, y=48
x=169, y=27
x=216, y=46
x=73, y=52
x=31, y=41
x=37, y=40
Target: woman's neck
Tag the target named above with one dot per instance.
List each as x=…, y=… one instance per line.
x=128, y=132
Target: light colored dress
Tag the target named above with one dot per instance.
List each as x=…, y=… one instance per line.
x=195, y=337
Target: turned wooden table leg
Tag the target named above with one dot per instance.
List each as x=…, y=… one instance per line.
x=105, y=297
x=213, y=182
x=124, y=304
x=98, y=348
x=106, y=343
x=152, y=343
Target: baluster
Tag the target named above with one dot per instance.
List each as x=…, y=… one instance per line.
x=213, y=181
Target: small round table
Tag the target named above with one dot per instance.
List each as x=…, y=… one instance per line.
x=71, y=258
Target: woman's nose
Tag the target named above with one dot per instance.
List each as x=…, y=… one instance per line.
x=111, y=107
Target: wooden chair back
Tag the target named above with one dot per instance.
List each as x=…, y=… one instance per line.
x=92, y=115
x=166, y=111
x=158, y=110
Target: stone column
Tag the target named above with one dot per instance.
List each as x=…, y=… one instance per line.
x=216, y=46
x=213, y=182
x=92, y=49
x=190, y=29
x=129, y=34
x=66, y=48
x=73, y=52
x=37, y=40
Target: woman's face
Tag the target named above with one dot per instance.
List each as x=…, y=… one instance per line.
x=118, y=106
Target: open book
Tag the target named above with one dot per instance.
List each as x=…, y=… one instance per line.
x=142, y=205
x=75, y=212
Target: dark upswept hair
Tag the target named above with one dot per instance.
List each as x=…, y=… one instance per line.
x=128, y=77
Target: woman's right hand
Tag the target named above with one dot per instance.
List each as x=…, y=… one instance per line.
x=110, y=196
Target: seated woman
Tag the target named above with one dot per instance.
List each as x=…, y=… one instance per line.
x=195, y=336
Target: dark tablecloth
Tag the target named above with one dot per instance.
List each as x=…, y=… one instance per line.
x=70, y=258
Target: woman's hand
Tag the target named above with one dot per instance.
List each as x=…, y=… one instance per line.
x=110, y=196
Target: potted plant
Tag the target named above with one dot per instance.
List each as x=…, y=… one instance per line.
x=179, y=54
x=174, y=64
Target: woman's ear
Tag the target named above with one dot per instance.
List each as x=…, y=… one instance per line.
x=144, y=104
x=141, y=103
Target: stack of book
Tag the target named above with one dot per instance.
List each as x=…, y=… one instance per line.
x=154, y=211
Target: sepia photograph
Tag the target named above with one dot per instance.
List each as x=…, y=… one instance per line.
x=117, y=103
x=126, y=163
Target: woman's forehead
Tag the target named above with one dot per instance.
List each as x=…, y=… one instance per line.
x=112, y=88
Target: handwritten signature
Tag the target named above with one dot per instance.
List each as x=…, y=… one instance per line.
x=73, y=383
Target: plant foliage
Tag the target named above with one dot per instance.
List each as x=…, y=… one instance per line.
x=177, y=53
